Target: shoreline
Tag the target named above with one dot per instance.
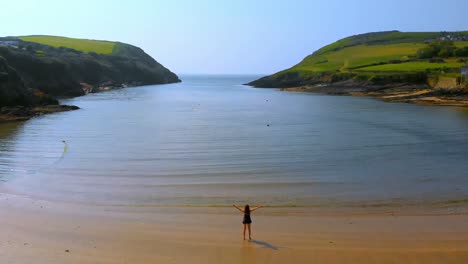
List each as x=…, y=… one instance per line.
x=36, y=231
x=23, y=113
x=431, y=206
x=398, y=93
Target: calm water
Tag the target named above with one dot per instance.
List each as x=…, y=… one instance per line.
x=211, y=141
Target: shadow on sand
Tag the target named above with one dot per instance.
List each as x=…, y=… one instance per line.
x=264, y=244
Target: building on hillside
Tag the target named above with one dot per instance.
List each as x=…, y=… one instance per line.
x=464, y=72
x=454, y=37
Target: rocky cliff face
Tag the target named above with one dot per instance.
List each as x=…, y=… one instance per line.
x=63, y=71
x=12, y=89
x=17, y=102
x=31, y=74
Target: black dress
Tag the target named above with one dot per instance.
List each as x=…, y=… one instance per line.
x=247, y=219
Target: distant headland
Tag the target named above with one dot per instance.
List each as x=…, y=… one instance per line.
x=415, y=67
x=34, y=70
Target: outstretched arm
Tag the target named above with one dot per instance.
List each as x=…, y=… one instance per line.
x=237, y=207
x=255, y=208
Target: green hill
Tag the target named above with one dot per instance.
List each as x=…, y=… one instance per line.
x=386, y=57
x=83, y=45
x=61, y=66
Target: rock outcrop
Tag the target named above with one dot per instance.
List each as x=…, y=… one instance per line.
x=32, y=74
x=59, y=71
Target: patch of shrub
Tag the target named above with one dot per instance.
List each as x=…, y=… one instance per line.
x=461, y=52
x=40, y=53
x=442, y=49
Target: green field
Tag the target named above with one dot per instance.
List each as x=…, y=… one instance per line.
x=375, y=52
x=351, y=58
x=411, y=67
x=389, y=37
x=84, y=45
x=461, y=44
x=378, y=58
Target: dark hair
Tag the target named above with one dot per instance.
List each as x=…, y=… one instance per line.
x=247, y=209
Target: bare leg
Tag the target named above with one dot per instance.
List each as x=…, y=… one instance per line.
x=250, y=232
x=244, y=231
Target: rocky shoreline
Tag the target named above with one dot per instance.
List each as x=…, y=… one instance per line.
x=106, y=86
x=22, y=113
x=404, y=93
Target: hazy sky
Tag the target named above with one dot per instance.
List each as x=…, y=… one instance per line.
x=238, y=36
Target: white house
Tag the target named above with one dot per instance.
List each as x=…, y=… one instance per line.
x=464, y=72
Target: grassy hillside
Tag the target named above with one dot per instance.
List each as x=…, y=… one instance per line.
x=354, y=57
x=61, y=66
x=417, y=66
x=83, y=45
x=370, y=54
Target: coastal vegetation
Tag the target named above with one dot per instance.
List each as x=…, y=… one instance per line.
x=83, y=45
x=59, y=66
x=365, y=58
x=443, y=49
x=35, y=69
x=414, y=66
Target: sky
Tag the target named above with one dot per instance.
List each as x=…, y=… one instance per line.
x=227, y=37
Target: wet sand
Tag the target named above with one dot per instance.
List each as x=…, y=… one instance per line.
x=35, y=231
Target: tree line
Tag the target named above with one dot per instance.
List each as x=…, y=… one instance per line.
x=441, y=49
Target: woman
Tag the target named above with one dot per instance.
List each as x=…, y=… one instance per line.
x=247, y=220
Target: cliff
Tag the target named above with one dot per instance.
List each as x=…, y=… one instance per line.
x=35, y=69
x=60, y=66
x=20, y=103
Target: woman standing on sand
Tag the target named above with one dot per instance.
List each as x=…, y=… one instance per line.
x=247, y=220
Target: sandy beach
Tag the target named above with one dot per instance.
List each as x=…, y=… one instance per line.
x=35, y=231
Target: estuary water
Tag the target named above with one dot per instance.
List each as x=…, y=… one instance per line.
x=211, y=141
